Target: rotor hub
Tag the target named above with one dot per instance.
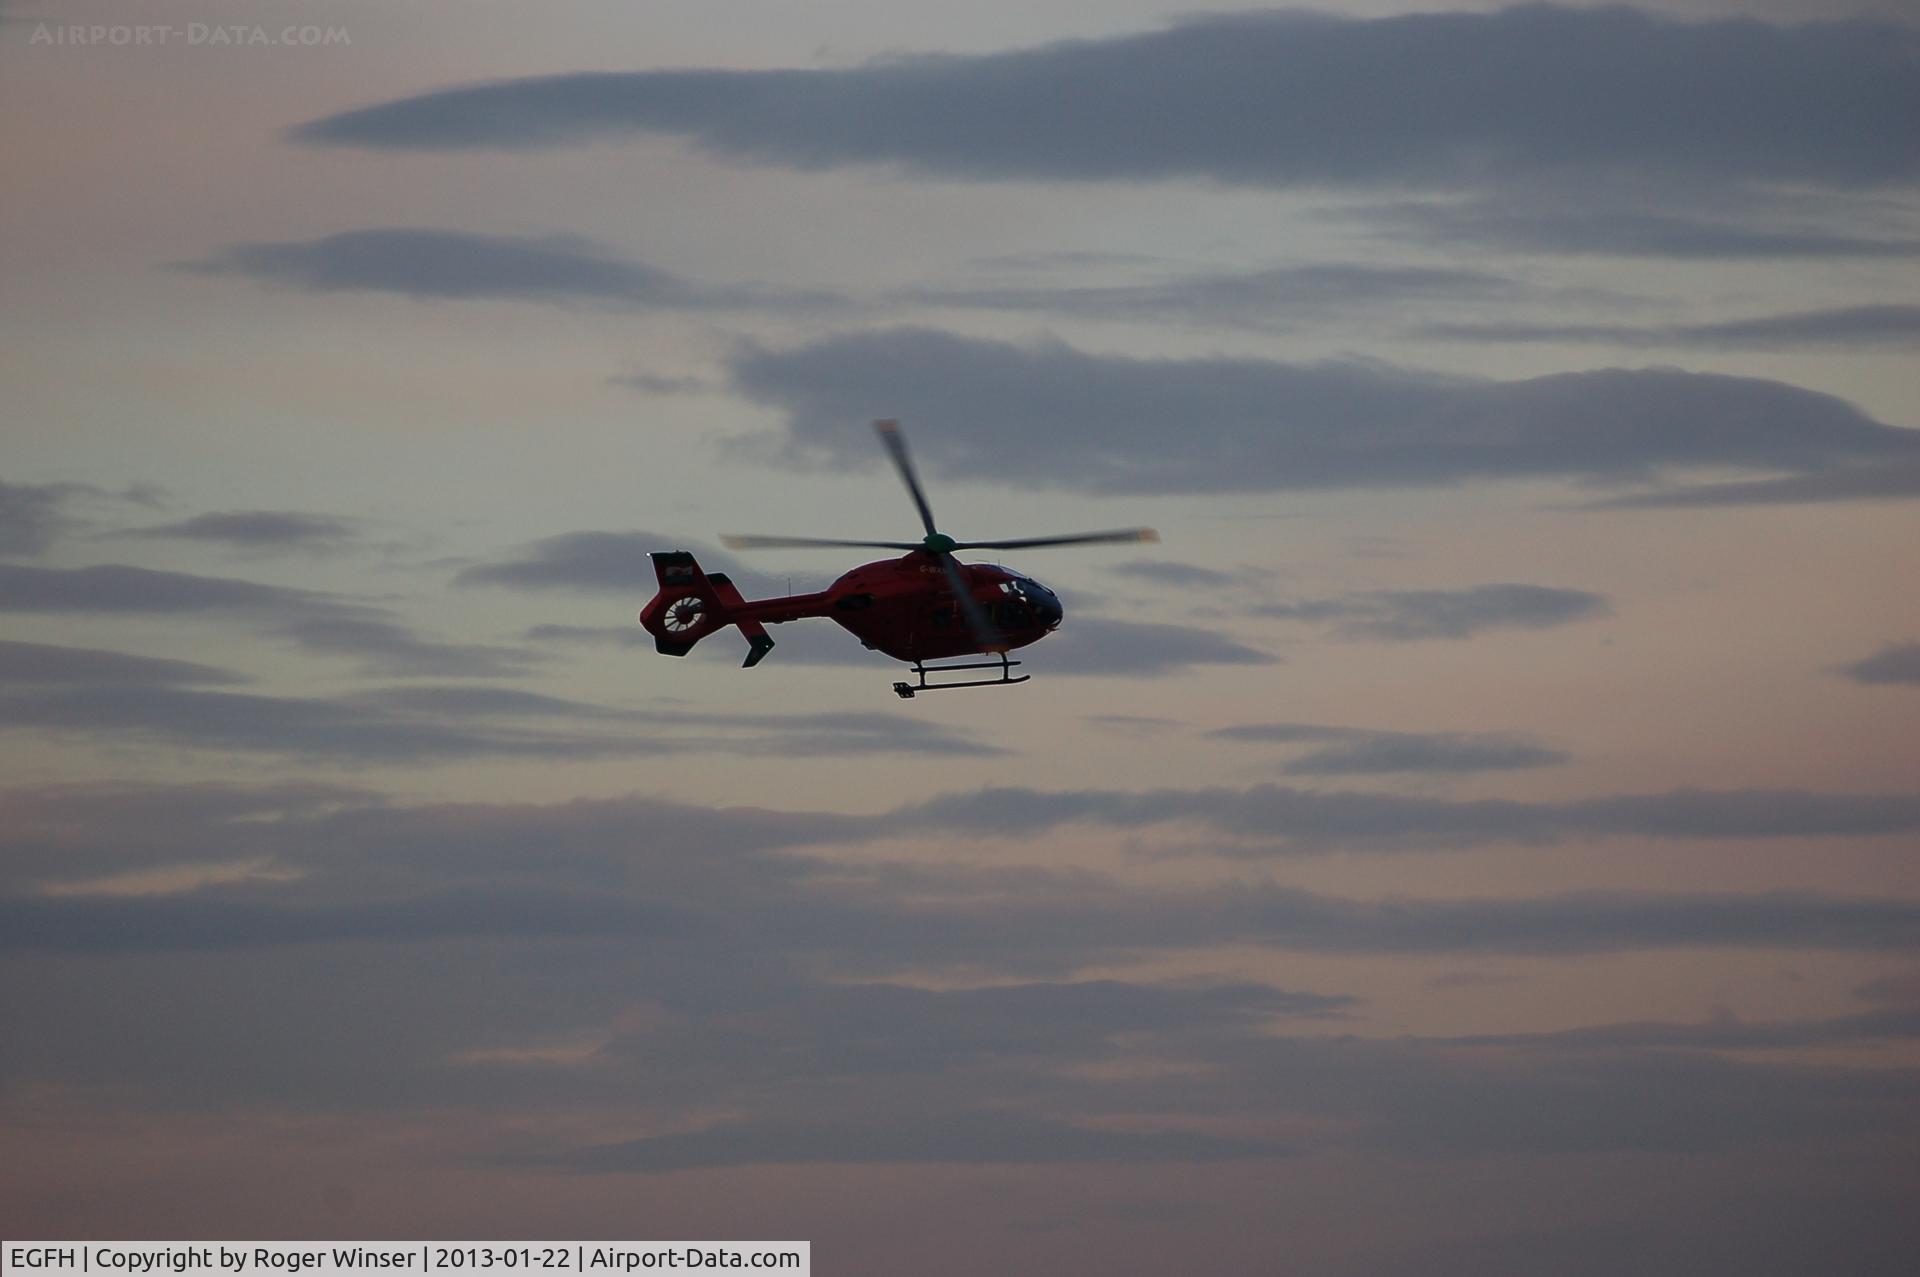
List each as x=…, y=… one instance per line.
x=939, y=543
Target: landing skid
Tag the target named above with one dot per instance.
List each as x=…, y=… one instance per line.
x=906, y=691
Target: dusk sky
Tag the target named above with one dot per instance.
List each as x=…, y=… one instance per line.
x=1479, y=839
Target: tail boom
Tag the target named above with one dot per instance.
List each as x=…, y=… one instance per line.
x=692, y=604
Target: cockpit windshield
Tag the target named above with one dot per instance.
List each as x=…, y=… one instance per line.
x=1024, y=586
x=1026, y=602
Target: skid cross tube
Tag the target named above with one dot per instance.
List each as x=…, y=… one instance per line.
x=906, y=691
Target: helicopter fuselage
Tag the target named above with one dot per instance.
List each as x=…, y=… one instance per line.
x=924, y=606
x=905, y=608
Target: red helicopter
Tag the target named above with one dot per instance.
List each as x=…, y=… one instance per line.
x=923, y=606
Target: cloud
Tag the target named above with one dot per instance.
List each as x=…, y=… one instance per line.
x=609, y=562
x=115, y=588
x=1276, y=299
x=1850, y=327
x=457, y=985
x=32, y=514
x=734, y=961
x=1108, y=423
x=344, y=842
x=754, y=868
x=1860, y=1229
x=1059, y=259
x=1847, y=326
x=426, y=263
x=435, y=264
x=1259, y=821
x=657, y=384
x=397, y=954
x=618, y=636
x=1044, y=931
x=1308, y=819
x=894, y=1037
x=388, y=649
x=393, y=727
x=548, y=963
x=1185, y=575
x=1470, y=980
x=258, y=529
x=1570, y=222
x=195, y=923
x=1639, y=1102
x=1892, y=481
x=40, y=664
x=340, y=729
x=1265, y=99
x=1347, y=751
x=1725, y=1033
x=319, y=622
x=1095, y=645
x=1895, y=663
x=1900, y=990
x=1423, y=1097
x=1408, y=615
x=467, y=930
x=584, y=841
x=971, y=1137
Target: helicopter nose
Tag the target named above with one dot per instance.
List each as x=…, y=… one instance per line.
x=1048, y=611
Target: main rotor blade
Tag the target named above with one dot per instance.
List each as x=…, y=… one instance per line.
x=889, y=432
x=976, y=617
x=801, y=543
x=1079, y=538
